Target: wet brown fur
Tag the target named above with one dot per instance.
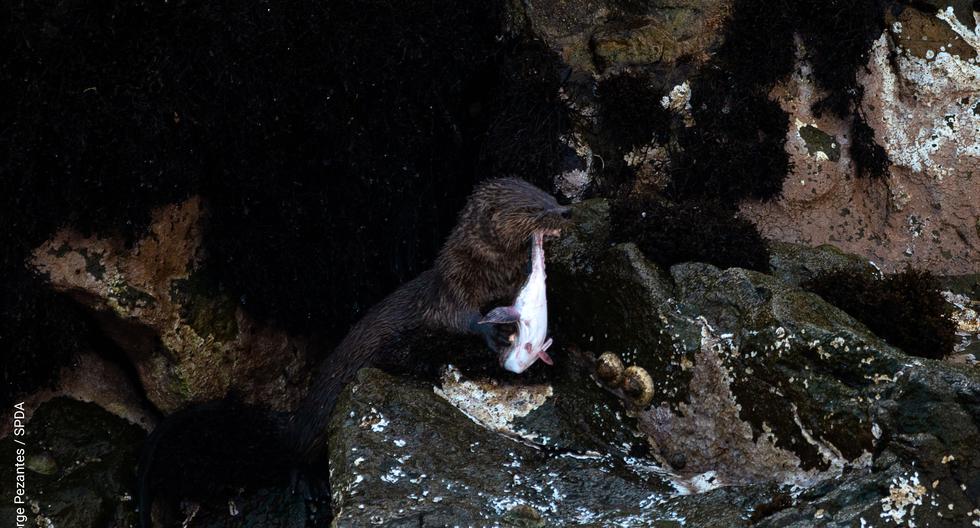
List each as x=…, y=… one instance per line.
x=483, y=260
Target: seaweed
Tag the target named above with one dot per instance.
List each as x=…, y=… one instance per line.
x=694, y=231
x=870, y=158
x=736, y=150
x=906, y=309
x=630, y=112
x=837, y=36
x=518, y=130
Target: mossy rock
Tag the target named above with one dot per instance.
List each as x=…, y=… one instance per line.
x=795, y=264
x=204, y=307
x=88, y=473
x=400, y=455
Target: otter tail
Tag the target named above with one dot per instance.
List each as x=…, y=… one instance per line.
x=212, y=449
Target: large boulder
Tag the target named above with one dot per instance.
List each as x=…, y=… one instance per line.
x=188, y=340
x=915, y=96
x=403, y=454
x=79, y=466
x=920, y=85
x=599, y=36
x=769, y=406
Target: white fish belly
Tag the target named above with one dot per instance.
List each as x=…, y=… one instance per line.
x=532, y=329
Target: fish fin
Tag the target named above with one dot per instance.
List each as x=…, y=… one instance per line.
x=546, y=345
x=543, y=356
x=501, y=314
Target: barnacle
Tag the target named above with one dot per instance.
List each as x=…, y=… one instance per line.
x=638, y=386
x=609, y=368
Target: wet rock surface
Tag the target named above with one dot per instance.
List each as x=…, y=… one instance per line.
x=402, y=455
x=687, y=395
x=770, y=407
x=915, y=109
x=920, y=93
x=80, y=466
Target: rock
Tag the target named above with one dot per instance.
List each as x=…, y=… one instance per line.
x=268, y=508
x=920, y=98
x=402, y=455
x=766, y=397
x=82, y=466
x=42, y=463
x=759, y=382
x=188, y=341
x=598, y=36
x=80, y=470
x=795, y=264
x=662, y=43
x=964, y=294
x=91, y=377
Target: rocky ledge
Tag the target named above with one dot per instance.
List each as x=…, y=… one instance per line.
x=770, y=407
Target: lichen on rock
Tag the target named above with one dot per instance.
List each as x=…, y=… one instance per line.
x=188, y=340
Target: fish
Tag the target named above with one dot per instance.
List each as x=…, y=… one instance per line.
x=530, y=312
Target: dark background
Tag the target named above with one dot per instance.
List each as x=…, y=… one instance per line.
x=333, y=144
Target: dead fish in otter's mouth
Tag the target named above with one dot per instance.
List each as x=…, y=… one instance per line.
x=530, y=312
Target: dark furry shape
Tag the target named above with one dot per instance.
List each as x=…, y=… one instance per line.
x=758, y=50
x=905, y=309
x=838, y=35
x=482, y=261
x=870, y=158
x=736, y=149
x=630, y=112
x=697, y=231
x=197, y=452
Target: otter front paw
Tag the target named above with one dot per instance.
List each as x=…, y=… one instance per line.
x=498, y=336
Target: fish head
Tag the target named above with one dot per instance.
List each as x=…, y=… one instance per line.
x=519, y=358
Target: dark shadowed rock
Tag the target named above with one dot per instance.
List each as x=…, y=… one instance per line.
x=766, y=397
x=786, y=388
x=80, y=466
x=188, y=341
x=795, y=264
x=403, y=455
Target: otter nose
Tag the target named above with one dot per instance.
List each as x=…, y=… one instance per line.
x=564, y=212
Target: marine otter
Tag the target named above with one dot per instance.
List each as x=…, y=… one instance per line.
x=483, y=260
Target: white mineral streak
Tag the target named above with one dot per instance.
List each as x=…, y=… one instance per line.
x=941, y=127
x=970, y=36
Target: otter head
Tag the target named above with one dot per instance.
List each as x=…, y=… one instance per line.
x=513, y=209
